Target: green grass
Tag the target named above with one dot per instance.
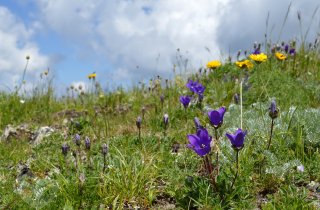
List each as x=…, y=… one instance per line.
x=144, y=172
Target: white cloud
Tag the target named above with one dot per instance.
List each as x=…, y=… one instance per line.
x=130, y=33
x=15, y=46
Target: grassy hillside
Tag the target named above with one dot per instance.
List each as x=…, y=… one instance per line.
x=93, y=154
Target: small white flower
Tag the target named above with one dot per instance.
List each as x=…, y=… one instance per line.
x=300, y=168
x=22, y=101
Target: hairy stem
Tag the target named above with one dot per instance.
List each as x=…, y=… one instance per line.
x=271, y=132
x=237, y=169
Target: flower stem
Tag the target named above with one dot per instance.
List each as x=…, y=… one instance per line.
x=209, y=170
x=237, y=168
x=104, y=163
x=241, y=103
x=217, y=154
x=139, y=135
x=271, y=132
x=23, y=76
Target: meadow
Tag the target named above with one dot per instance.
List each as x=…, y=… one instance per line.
x=237, y=134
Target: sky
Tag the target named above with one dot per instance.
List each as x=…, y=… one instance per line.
x=127, y=41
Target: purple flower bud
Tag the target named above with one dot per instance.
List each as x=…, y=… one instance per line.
x=185, y=100
x=292, y=51
x=273, y=110
x=65, y=148
x=104, y=149
x=77, y=139
x=236, y=98
x=256, y=51
x=138, y=122
x=162, y=98
x=166, y=119
x=216, y=117
x=238, y=54
x=286, y=48
x=87, y=143
x=197, y=123
x=237, y=139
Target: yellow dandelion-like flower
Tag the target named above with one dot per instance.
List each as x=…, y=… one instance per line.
x=259, y=58
x=280, y=56
x=213, y=64
x=92, y=76
x=246, y=64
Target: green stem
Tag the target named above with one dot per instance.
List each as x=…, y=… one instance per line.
x=104, y=163
x=271, y=132
x=209, y=170
x=237, y=168
x=217, y=154
x=24, y=74
x=139, y=134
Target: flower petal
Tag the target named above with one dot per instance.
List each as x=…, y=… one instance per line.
x=215, y=117
x=194, y=140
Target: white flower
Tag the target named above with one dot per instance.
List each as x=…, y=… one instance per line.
x=22, y=101
x=300, y=168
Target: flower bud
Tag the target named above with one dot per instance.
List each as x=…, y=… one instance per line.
x=273, y=110
x=65, y=148
x=166, y=119
x=87, y=143
x=104, y=149
x=138, y=122
x=77, y=140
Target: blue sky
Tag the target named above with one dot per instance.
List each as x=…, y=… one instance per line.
x=125, y=41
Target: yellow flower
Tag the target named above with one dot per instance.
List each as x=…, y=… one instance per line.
x=213, y=64
x=280, y=56
x=92, y=76
x=259, y=58
x=246, y=64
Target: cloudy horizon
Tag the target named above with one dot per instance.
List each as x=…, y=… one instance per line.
x=126, y=41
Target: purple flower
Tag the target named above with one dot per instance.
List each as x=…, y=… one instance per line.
x=200, y=142
x=286, y=48
x=199, y=89
x=292, y=51
x=237, y=139
x=216, y=117
x=273, y=110
x=191, y=85
x=256, y=51
x=185, y=100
